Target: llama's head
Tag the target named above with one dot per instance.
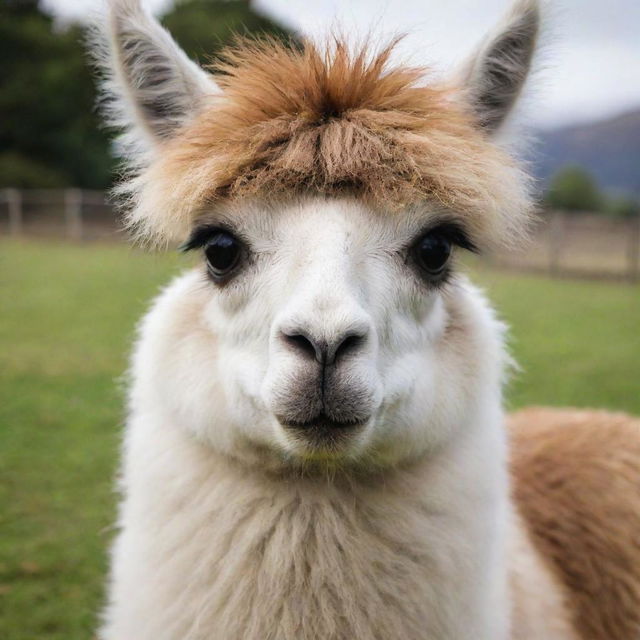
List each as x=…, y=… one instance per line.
x=328, y=194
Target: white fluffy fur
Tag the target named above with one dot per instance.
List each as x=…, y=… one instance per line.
x=230, y=530
x=233, y=528
x=227, y=534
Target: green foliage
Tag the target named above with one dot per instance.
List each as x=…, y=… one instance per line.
x=50, y=132
x=623, y=207
x=17, y=170
x=67, y=324
x=573, y=189
x=47, y=103
x=203, y=27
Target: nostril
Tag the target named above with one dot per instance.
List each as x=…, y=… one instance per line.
x=303, y=345
x=351, y=343
x=325, y=352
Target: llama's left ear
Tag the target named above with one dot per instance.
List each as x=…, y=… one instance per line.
x=152, y=87
x=494, y=76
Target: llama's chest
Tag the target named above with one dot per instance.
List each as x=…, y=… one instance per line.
x=235, y=565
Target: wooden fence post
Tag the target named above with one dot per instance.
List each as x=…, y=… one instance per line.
x=556, y=238
x=633, y=250
x=14, y=200
x=73, y=213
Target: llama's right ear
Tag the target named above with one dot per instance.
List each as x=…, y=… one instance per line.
x=152, y=87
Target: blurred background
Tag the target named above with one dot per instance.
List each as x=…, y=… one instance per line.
x=72, y=288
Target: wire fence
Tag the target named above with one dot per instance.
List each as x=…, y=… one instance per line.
x=563, y=244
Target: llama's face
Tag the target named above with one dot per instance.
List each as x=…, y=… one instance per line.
x=323, y=329
x=339, y=332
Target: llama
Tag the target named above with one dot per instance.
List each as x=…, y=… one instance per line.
x=316, y=447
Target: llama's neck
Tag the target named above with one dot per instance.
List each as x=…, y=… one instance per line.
x=413, y=552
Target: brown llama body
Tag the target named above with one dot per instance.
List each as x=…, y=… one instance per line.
x=576, y=482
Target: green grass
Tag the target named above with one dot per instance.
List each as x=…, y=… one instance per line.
x=576, y=342
x=68, y=318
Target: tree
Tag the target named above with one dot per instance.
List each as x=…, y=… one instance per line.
x=50, y=132
x=573, y=189
x=203, y=27
x=623, y=207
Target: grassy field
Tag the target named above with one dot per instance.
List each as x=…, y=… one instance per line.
x=68, y=317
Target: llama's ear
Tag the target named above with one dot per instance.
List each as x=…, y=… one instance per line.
x=495, y=74
x=152, y=87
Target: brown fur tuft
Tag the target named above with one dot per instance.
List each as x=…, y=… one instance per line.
x=577, y=485
x=302, y=121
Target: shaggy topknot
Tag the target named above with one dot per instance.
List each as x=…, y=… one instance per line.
x=293, y=121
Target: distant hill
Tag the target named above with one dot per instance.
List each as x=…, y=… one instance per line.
x=608, y=149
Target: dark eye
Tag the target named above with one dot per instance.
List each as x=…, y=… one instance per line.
x=222, y=251
x=432, y=253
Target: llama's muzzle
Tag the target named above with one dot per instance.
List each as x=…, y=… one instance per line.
x=323, y=391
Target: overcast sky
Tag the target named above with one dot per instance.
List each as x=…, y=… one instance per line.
x=590, y=69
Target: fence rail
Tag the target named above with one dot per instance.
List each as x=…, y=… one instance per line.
x=579, y=245
x=77, y=214
x=563, y=244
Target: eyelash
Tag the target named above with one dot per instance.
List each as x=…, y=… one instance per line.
x=200, y=235
x=452, y=231
x=455, y=235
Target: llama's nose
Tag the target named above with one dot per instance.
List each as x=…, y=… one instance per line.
x=326, y=351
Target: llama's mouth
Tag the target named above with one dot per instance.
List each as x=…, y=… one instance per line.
x=321, y=422
x=322, y=433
